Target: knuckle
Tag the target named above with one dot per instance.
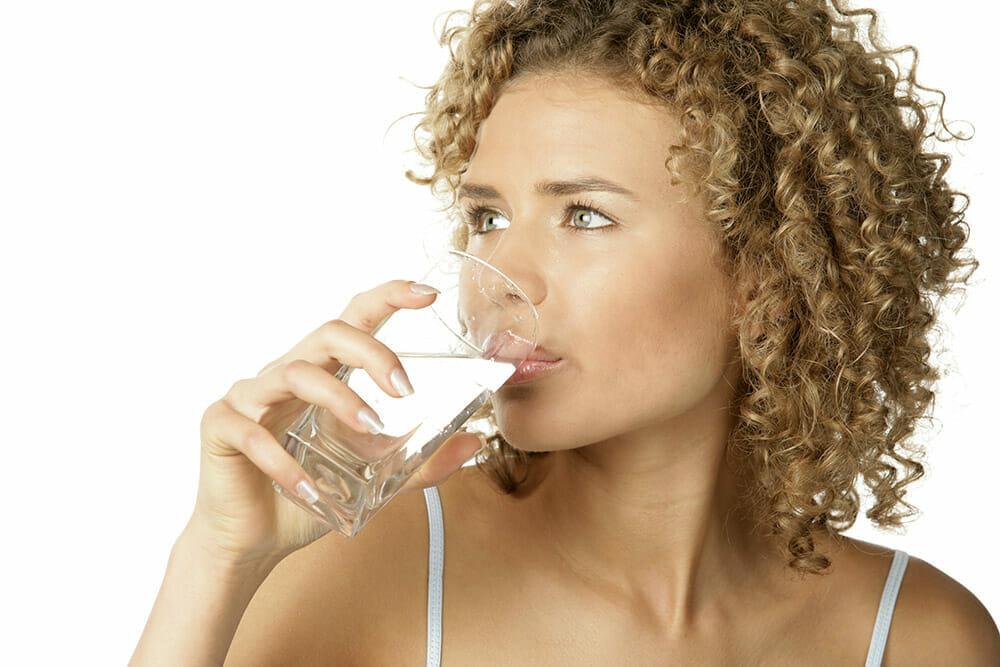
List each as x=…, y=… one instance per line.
x=237, y=389
x=252, y=439
x=332, y=332
x=384, y=358
x=371, y=318
x=211, y=413
x=360, y=299
x=332, y=327
x=294, y=370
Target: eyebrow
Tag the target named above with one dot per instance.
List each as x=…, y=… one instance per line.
x=550, y=188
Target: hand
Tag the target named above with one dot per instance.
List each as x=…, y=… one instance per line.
x=238, y=515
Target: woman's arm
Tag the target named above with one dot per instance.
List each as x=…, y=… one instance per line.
x=240, y=528
x=199, y=606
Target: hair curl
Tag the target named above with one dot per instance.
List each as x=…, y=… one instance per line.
x=807, y=148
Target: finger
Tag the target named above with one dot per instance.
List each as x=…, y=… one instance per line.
x=339, y=343
x=446, y=460
x=253, y=398
x=325, y=346
x=367, y=310
x=225, y=432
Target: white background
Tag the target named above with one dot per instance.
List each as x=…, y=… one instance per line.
x=188, y=188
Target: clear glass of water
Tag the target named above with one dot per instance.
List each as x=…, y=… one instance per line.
x=456, y=352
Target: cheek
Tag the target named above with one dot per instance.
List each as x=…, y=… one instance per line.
x=651, y=347
x=657, y=347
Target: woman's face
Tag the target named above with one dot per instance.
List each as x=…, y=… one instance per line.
x=630, y=297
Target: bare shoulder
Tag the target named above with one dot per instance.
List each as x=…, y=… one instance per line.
x=935, y=621
x=330, y=601
x=939, y=621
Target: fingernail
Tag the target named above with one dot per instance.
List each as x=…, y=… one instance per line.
x=400, y=382
x=420, y=288
x=307, y=492
x=371, y=421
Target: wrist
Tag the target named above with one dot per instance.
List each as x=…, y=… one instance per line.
x=199, y=544
x=202, y=598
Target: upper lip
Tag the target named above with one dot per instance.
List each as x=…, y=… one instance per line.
x=508, y=345
x=541, y=354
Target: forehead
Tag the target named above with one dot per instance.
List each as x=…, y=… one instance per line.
x=570, y=124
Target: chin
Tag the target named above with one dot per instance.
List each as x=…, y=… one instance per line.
x=535, y=431
x=525, y=439
x=524, y=434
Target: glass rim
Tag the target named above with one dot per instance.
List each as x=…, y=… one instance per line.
x=524, y=297
x=527, y=301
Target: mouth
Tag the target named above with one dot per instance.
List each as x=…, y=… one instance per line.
x=533, y=369
x=508, y=347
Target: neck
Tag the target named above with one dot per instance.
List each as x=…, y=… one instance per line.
x=651, y=522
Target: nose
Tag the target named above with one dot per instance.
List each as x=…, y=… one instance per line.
x=519, y=257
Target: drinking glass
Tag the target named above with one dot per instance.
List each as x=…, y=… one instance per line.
x=456, y=352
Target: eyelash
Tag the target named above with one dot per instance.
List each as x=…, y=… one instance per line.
x=472, y=212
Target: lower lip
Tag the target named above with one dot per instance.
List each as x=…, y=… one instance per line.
x=532, y=370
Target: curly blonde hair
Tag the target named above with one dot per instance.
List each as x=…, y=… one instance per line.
x=807, y=148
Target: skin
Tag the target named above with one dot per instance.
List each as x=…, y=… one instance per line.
x=636, y=492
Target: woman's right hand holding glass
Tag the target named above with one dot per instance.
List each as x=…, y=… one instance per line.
x=238, y=516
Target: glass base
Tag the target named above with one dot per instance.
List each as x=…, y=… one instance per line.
x=352, y=489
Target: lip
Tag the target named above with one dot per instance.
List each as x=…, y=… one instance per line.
x=541, y=354
x=532, y=370
x=508, y=346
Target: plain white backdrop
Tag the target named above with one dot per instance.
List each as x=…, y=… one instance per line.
x=188, y=188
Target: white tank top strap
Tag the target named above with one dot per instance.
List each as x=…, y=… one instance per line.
x=888, y=604
x=435, y=572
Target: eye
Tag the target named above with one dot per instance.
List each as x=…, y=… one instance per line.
x=586, y=216
x=581, y=218
x=480, y=219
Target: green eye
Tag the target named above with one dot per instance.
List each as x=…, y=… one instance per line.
x=488, y=217
x=586, y=216
x=582, y=217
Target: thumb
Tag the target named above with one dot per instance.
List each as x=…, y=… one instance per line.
x=455, y=451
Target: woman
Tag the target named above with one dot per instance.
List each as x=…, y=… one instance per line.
x=730, y=230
